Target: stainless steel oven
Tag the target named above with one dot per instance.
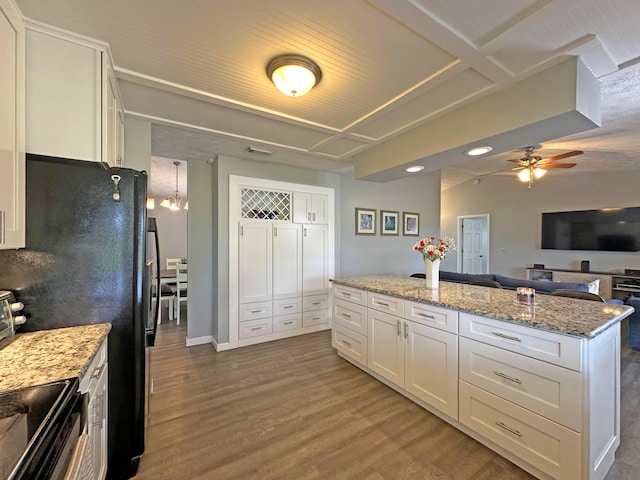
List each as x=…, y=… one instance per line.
x=40, y=428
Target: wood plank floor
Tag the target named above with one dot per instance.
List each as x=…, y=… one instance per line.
x=292, y=409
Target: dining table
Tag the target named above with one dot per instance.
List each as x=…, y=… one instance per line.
x=168, y=277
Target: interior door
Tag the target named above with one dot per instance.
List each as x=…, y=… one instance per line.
x=475, y=252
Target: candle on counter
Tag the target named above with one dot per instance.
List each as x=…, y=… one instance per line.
x=526, y=295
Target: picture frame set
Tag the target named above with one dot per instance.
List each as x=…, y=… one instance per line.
x=366, y=219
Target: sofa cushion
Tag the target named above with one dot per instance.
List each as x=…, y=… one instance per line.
x=542, y=286
x=464, y=277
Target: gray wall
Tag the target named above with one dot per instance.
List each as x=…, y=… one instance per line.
x=369, y=254
x=172, y=232
x=515, y=216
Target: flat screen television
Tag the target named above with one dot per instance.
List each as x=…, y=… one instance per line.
x=607, y=229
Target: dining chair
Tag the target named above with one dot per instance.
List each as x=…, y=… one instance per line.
x=171, y=263
x=166, y=295
x=180, y=289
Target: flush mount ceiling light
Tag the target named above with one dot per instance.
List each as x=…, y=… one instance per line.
x=293, y=75
x=174, y=203
x=414, y=169
x=474, y=152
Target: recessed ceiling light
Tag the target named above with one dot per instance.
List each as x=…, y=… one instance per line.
x=478, y=151
x=414, y=169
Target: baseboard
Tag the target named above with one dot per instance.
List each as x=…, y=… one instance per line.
x=220, y=347
x=192, y=342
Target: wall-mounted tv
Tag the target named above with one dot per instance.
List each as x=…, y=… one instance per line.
x=607, y=229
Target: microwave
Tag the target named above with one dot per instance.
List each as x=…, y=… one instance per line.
x=9, y=318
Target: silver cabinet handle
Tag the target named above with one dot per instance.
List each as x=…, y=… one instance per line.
x=509, y=429
x=508, y=337
x=288, y=306
x=382, y=304
x=507, y=377
x=344, y=342
x=406, y=330
x=2, y=227
x=314, y=216
x=424, y=315
x=275, y=231
x=241, y=231
x=316, y=318
x=346, y=294
x=288, y=323
x=308, y=216
x=256, y=328
x=346, y=315
x=315, y=303
x=399, y=328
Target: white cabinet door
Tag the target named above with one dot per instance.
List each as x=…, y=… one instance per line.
x=431, y=366
x=113, y=118
x=12, y=105
x=287, y=261
x=98, y=428
x=310, y=208
x=315, y=261
x=386, y=346
x=255, y=261
x=64, y=98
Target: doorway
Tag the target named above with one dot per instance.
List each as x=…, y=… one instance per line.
x=473, y=255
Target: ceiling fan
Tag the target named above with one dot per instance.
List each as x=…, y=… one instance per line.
x=533, y=166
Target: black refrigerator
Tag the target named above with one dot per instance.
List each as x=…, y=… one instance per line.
x=85, y=262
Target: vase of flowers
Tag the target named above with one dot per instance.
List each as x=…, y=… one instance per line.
x=433, y=251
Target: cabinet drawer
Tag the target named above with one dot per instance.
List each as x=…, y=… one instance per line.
x=287, y=322
x=350, y=315
x=550, y=447
x=252, y=311
x=350, y=344
x=352, y=294
x=551, y=347
x=255, y=328
x=319, y=317
x=95, y=368
x=433, y=316
x=385, y=303
x=551, y=391
x=315, y=302
x=287, y=306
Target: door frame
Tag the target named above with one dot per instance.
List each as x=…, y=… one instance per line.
x=460, y=219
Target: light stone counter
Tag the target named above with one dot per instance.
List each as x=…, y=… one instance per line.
x=581, y=318
x=34, y=358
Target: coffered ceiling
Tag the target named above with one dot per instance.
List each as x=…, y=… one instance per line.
x=196, y=69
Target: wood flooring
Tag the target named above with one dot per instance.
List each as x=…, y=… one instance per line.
x=292, y=409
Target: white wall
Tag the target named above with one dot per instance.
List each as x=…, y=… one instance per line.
x=515, y=216
x=369, y=254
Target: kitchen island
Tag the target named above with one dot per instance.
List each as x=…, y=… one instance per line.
x=538, y=384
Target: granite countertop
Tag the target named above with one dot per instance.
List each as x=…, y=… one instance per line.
x=45, y=356
x=580, y=318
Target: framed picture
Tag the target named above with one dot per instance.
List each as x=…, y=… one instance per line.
x=389, y=222
x=410, y=223
x=365, y=221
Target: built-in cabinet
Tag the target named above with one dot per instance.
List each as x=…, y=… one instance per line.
x=546, y=401
x=283, y=267
x=310, y=207
x=12, y=147
x=94, y=385
x=73, y=106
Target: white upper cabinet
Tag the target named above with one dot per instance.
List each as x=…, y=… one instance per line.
x=73, y=103
x=12, y=158
x=310, y=208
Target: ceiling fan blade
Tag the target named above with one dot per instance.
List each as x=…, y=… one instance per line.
x=564, y=155
x=557, y=165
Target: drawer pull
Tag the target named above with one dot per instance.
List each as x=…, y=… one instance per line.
x=316, y=318
x=382, y=304
x=346, y=294
x=315, y=303
x=344, y=342
x=288, y=306
x=424, y=315
x=508, y=337
x=346, y=315
x=507, y=377
x=256, y=311
x=509, y=429
x=256, y=328
x=288, y=323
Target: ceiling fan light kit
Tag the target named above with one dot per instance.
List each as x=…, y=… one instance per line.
x=294, y=75
x=533, y=166
x=174, y=202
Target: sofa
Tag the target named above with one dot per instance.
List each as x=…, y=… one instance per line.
x=510, y=283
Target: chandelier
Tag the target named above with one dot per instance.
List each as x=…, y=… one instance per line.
x=174, y=202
